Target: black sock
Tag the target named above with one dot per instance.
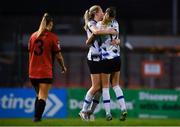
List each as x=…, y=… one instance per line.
x=35, y=103
x=39, y=109
x=35, y=106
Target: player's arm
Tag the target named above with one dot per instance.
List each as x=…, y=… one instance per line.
x=90, y=40
x=58, y=55
x=60, y=60
x=29, y=47
x=101, y=31
x=116, y=42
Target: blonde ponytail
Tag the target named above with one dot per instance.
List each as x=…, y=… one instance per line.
x=86, y=19
x=42, y=25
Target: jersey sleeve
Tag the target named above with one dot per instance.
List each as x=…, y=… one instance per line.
x=116, y=26
x=91, y=24
x=29, y=43
x=56, y=45
x=98, y=25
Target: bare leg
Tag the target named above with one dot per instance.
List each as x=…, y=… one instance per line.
x=96, y=85
x=41, y=103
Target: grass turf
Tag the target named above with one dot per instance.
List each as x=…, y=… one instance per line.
x=97, y=122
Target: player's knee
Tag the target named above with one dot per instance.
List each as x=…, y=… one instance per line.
x=96, y=88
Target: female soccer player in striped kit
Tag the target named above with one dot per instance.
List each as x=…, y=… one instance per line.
x=111, y=63
x=43, y=46
x=91, y=17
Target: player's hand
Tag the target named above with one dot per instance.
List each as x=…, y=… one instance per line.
x=112, y=31
x=64, y=69
x=116, y=42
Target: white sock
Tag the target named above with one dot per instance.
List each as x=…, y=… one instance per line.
x=119, y=95
x=87, y=101
x=95, y=101
x=106, y=100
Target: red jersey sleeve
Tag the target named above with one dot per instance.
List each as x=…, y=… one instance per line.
x=56, y=45
x=29, y=42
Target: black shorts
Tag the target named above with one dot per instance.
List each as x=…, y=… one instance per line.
x=94, y=67
x=41, y=80
x=112, y=65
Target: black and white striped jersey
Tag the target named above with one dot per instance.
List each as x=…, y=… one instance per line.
x=109, y=51
x=94, y=52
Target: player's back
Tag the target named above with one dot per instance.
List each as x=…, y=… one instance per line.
x=41, y=55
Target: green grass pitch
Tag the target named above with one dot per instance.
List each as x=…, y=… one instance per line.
x=97, y=122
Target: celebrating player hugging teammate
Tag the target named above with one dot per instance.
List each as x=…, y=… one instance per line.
x=104, y=48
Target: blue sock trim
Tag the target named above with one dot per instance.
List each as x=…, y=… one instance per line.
x=120, y=97
x=106, y=101
x=87, y=101
x=96, y=101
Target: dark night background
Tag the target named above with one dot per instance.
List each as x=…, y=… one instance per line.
x=127, y=9
x=149, y=25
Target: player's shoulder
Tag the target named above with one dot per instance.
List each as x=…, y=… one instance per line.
x=99, y=23
x=115, y=22
x=92, y=23
x=52, y=34
x=33, y=35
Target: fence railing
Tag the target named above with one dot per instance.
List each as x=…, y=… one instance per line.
x=14, y=70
